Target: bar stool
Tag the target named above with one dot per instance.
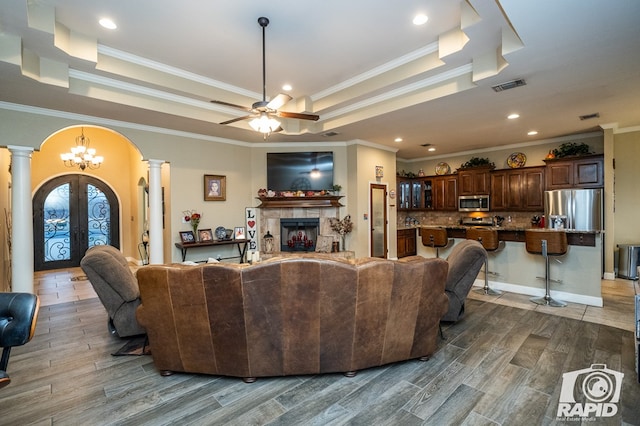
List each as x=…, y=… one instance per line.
x=547, y=243
x=436, y=238
x=489, y=240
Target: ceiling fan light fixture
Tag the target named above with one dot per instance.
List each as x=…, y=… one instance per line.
x=264, y=124
x=315, y=173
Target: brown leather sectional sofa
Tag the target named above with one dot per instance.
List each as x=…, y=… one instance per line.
x=289, y=316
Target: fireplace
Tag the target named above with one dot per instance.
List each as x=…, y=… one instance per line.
x=299, y=234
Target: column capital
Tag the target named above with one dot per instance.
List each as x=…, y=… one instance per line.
x=24, y=151
x=155, y=163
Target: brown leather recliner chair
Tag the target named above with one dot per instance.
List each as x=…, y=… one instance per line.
x=465, y=261
x=116, y=286
x=18, y=317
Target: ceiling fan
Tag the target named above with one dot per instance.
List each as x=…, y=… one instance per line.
x=262, y=113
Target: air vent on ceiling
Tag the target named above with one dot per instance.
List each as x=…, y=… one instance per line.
x=426, y=145
x=329, y=134
x=590, y=116
x=509, y=85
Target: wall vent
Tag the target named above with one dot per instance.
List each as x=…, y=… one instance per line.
x=509, y=85
x=329, y=134
x=426, y=145
x=590, y=116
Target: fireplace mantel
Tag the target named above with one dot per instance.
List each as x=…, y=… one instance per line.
x=312, y=201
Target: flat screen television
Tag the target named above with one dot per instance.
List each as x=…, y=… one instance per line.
x=299, y=171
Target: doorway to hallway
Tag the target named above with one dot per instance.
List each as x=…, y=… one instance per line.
x=72, y=213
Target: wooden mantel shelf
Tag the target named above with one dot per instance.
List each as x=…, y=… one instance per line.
x=312, y=201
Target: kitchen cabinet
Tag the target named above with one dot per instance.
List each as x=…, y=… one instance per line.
x=415, y=193
x=445, y=192
x=577, y=172
x=474, y=181
x=407, y=242
x=518, y=189
x=404, y=193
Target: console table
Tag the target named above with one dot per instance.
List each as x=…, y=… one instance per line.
x=241, y=244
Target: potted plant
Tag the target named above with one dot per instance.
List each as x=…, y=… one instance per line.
x=571, y=149
x=478, y=162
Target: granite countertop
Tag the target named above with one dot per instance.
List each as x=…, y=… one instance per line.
x=498, y=228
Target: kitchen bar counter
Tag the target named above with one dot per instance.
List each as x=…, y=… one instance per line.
x=518, y=271
x=516, y=233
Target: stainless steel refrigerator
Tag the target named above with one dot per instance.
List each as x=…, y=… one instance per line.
x=579, y=209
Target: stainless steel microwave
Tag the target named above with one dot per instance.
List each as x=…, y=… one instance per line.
x=473, y=203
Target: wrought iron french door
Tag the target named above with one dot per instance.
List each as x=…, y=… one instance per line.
x=72, y=213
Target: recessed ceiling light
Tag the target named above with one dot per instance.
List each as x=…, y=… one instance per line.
x=532, y=133
x=397, y=140
x=513, y=116
x=420, y=19
x=108, y=23
x=431, y=149
x=287, y=87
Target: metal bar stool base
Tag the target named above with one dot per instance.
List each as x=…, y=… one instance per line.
x=548, y=301
x=487, y=291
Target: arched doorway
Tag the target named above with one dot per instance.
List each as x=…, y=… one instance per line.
x=72, y=213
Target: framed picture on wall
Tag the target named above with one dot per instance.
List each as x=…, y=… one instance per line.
x=215, y=188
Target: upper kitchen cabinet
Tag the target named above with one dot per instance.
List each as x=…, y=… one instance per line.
x=415, y=193
x=518, y=189
x=445, y=192
x=577, y=172
x=404, y=193
x=474, y=181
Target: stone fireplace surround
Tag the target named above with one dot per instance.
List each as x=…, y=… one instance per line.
x=270, y=221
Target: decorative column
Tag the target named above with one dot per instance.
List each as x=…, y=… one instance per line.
x=21, y=220
x=156, y=235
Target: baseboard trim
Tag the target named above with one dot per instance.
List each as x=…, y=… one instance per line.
x=534, y=291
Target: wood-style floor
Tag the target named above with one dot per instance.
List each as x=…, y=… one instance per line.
x=501, y=365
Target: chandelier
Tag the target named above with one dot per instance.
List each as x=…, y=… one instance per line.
x=81, y=155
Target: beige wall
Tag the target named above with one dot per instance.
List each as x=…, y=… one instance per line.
x=5, y=202
x=362, y=162
x=627, y=188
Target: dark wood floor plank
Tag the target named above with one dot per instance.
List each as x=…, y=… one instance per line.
x=494, y=362
x=383, y=406
x=368, y=393
x=528, y=354
x=429, y=399
x=531, y=408
x=321, y=406
x=501, y=393
x=456, y=408
x=550, y=366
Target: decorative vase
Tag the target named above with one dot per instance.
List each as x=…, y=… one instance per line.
x=195, y=233
x=344, y=246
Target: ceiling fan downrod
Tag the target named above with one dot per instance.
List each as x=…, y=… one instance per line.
x=263, y=23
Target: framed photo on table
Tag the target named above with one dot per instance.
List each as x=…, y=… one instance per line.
x=187, y=237
x=215, y=188
x=205, y=235
x=238, y=233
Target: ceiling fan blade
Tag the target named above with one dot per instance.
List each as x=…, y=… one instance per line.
x=231, y=105
x=298, y=115
x=233, y=120
x=279, y=101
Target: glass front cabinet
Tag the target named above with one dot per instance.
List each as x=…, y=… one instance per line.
x=415, y=194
